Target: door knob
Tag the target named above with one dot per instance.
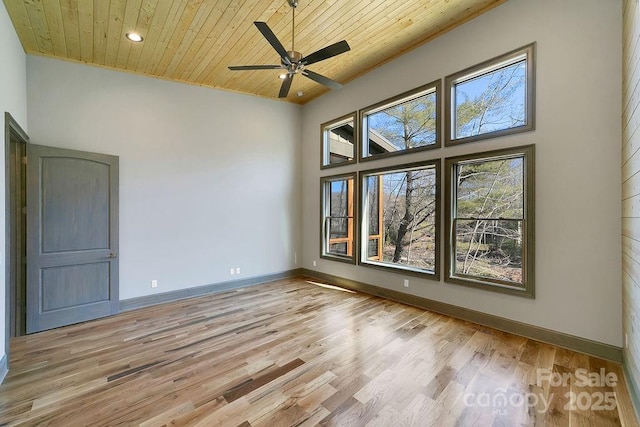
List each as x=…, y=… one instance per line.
x=113, y=255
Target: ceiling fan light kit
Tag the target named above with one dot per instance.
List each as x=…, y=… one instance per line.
x=292, y=61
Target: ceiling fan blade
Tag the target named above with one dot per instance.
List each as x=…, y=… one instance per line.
x=286, y=85
x=322, y=79
x=327, y=52
x=255, y=67
x=273, y=40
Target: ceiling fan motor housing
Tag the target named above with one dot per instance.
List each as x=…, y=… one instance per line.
x=296, y=66
x=295, y=56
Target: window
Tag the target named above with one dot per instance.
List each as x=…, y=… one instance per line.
x=491, y=99
x=337, y=229
x=406, y=123
x=490, y=220
x=338, y=137
x=400, y=218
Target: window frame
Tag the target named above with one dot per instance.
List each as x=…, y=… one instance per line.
x=325, y=152
x=325, y=182
x=362, y=222
x=435, y=86
x=483, y=68
x=528, y=247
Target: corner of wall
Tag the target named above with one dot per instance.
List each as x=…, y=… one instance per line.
x=631, y=198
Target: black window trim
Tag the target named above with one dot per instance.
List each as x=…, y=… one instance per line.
x=435, y=87
x=323, y=209
x=324, y=149
x=528, y=287
x=435, y=275
x=478, y=69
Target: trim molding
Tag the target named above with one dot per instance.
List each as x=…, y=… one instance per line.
x=4, y=368
x=12, y=130
x=632, y=387
x=560, y=339
x=149, y=300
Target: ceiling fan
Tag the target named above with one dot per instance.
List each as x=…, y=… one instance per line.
x=292, y=61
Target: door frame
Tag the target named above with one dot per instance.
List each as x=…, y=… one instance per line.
x=12, y=132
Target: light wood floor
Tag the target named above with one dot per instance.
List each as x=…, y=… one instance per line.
x=292, y=353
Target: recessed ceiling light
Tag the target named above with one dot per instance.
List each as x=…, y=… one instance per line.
x=282, y=76
x=134, y=37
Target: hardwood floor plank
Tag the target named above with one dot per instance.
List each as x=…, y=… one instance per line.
x=253, y=384
x=420, y=408
x=292, y=353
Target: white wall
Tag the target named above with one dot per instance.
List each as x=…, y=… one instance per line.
x=208, y=179
x=577, y=141
x=13, y=99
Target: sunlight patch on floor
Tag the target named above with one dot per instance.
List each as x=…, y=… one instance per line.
x=324, y=285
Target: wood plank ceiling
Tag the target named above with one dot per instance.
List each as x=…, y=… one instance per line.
x=194, y=41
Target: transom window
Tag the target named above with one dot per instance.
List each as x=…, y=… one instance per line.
x=491, y=99
x=338, y=138
x=405, y=123
x=490, y=220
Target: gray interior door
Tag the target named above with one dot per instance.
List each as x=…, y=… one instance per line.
x=72, y=236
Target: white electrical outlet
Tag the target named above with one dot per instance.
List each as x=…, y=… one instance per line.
x=154, y=283
x=406, y=283
x=232, y=271
x=314, y=263
x=626, y=340
x=237, y=270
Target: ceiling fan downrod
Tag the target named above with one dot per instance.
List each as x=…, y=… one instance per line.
x=293, y=4
x=295, y=57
